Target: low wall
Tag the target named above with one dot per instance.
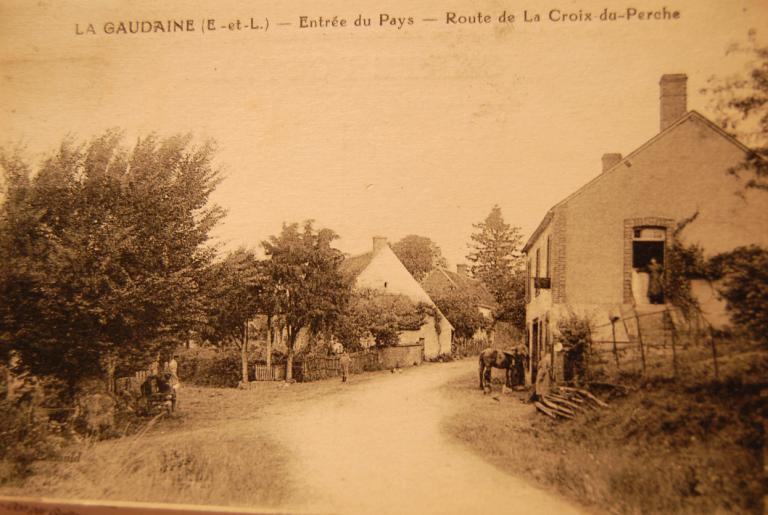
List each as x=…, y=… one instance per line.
x=401, y=355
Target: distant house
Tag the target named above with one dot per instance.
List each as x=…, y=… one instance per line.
x=592, y=252
x=383, y=271
x=441, y=282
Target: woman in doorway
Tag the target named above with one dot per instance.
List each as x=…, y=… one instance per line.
x=655, y=282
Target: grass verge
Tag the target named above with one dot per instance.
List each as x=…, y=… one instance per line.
x=663, y=448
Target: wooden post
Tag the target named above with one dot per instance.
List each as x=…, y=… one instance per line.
x=640, y=342
x=615, y=349
x=674, y=349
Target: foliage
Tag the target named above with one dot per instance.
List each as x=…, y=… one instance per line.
x=379, y=316
x=461, y=309
x=741, y=102
x=213, y=367
x=576, y=337
x=683, y=263
x=310, y=290
x=233, y=288
x=744, y=275
x=419, y=254
x=26, y=434
x=105, y=244
x=497, y=261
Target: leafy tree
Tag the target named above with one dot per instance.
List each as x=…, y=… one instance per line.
x=310, y=290
x=419, y=254
x=461, y=309
x=102, y=249
x=744, y=286
x=379, y=316
x=233, y=287
x=741, y=103
x=497, y=261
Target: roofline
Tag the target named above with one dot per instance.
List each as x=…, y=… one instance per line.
x=690, y=114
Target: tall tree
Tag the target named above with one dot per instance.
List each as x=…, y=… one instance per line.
x=419, y=254
x=233, y=288
x=497, y=261
x=310, y=290
x=741, y=105
x=102, y=249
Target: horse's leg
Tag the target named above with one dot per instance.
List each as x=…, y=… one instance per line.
x=481, y=371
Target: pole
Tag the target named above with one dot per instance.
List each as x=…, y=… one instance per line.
x=640, y=342
x=615, y=349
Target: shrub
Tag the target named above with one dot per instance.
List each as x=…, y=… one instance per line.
x=26, y=433
x=575, y=337
x=213, y=367
x=744, y=286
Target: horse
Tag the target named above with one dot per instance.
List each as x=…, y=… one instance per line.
x=494, y=358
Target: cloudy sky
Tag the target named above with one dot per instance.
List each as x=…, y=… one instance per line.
x=376, y=131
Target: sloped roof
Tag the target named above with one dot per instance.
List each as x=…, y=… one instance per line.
x=626, y=162
x=353, y=266
x=441, y=281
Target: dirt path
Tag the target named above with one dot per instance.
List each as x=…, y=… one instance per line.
x=378, y=447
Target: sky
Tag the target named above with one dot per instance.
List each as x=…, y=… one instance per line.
x=368, y=131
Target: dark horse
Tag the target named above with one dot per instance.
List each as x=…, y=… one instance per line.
x=513, y=362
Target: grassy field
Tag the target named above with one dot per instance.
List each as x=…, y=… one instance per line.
x=663, y=448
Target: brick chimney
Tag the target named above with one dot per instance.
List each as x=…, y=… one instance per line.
x=610, y=160
x=462, y=270
x=673, y=98
x=379, y=242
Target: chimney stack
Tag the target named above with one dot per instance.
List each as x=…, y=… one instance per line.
x=610, y=160
x=462, y=270
x=673, y=98
x=379, y=242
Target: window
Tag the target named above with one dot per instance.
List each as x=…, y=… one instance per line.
x=538, y=266
x=549, y=256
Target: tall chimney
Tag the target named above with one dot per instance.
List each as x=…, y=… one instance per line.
x=379, y=242
x=462, y=270
x=672, y=98
x=610, y=160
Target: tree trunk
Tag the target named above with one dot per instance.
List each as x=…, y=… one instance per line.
x=244, y=353
x=108, y=365
x=270, y=341
x=289, y=355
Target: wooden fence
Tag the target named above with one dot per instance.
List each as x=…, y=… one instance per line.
x=315, y=368
x=659, y=344
x=271, y=373
x=471, y=347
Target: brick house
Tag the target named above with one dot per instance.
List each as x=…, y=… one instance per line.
x=383, y=271
x=592, y=251
x=441, y=281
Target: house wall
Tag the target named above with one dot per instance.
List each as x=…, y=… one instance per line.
x=679, y=173
x=387, y=274
x=675, y=176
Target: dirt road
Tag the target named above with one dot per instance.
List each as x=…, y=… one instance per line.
x=378, y=447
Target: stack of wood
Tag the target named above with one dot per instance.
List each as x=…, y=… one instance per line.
x=566, y=402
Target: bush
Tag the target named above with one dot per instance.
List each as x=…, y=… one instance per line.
x=26, y=433
x=744, y=275
x=213, y=367
x=575, y=337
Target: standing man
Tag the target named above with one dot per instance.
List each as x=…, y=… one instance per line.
x=344, y=361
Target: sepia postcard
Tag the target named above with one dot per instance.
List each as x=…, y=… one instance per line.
x=383, y=257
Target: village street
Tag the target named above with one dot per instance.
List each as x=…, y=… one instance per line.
x=377, y=447
x=377, y=444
